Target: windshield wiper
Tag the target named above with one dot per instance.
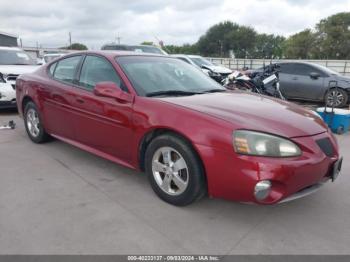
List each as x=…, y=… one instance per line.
x=172, y=93
x=214, y=91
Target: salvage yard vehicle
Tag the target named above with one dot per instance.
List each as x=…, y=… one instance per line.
x=312, y=82
x=136, y=48
x=13, y=62
x=50, y=57
x=188, y=133
x=264, y=82
x=217, y=72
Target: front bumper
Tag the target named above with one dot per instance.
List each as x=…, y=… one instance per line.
x=233, y=177
x=7, y=95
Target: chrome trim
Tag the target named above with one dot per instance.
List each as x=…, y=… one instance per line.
x=305, y=192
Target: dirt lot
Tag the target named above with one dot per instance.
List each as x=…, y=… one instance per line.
x=57, y=199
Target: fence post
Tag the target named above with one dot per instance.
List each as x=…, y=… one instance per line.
x=345, y=65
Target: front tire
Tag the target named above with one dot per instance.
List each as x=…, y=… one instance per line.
x=33, y=124
x=174, y=170
x=336, y=97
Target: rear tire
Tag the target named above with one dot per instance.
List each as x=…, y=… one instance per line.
x=33, y=124
x=174, y=170
x=336, y=97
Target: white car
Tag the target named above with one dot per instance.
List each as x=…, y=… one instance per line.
x=13, y=62
x=216, y=72
x=50, y=57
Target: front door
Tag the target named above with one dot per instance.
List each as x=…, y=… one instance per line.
x=101, y=123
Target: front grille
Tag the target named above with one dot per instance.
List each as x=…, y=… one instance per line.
x=11, y=77
x=326, y=146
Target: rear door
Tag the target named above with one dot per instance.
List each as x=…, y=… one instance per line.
x=296, y=82
x=59, y=95
x=306, y=87
x=286, y=76
x=101, y=123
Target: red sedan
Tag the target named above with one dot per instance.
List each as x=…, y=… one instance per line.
x=190, y=135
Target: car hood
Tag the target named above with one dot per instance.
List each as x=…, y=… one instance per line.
x=17, y=69
x=219, y=69
x=255, y=112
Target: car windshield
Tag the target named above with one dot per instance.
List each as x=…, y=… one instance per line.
x=199, y=61
x=153, y=75
x=15, y=57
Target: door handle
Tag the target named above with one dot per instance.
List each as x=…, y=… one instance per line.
x=294, y=78
x=80, y=100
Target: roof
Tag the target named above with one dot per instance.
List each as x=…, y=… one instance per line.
x=10, y=48
x=189, y=56
x=7, y=34
x=117, y=53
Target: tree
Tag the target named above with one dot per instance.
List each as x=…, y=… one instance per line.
x=76, y=46
x=268, y=46
x=184, y=49
x=300, y=45
x=147, y=43
x=333, y=36
x=226, y=36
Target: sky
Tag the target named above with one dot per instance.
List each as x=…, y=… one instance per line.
x=95, y=23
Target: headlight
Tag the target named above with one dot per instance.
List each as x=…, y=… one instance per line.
x=212, y=73
x=260, y=144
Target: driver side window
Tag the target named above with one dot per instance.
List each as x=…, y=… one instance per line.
x=96, y=69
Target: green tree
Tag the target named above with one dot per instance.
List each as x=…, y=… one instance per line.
x=333, y=36
x=184, y=49
x=300, y=45
x=268, y=46
x=147, y=43
x=76, y=46
x=226, y=36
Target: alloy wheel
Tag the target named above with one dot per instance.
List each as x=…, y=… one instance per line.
x=335, y=98
x=33, y=122
x=170, y=171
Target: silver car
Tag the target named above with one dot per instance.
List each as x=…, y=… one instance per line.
x=313, y=82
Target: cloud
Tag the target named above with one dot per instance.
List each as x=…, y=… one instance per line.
x=175, y=22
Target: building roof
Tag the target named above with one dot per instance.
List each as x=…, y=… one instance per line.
x=7, y=34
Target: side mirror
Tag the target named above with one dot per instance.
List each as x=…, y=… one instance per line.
x=112, y=90
x=314, y=75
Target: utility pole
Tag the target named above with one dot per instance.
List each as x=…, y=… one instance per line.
x=70, y=40
x=117, y=39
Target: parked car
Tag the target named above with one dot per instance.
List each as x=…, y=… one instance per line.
x=188, y=133
x=13, y=62
x=313, y=82
x=136, y=48
x=218, y=73
x=50, y=57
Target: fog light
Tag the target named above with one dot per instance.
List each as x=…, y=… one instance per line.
x=262, y=189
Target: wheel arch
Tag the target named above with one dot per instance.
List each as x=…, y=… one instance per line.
x=26, y=99
x=152, y=134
